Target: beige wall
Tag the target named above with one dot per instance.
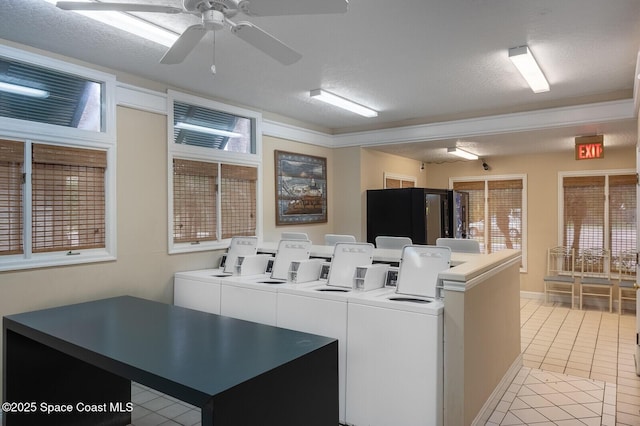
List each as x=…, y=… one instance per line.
x=347, y=198
x=542, y=194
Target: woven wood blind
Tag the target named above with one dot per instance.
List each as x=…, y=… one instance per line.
x=238, y=186
x=584, y=204
x=194, y=201
x=394, y=183
x=475, y=189
x=68, y=198
x=622, y=214
x=391, y=183
x=11, y=161
x=469, y=186
x=503, y=227
x=505, y=184
x=505, y=212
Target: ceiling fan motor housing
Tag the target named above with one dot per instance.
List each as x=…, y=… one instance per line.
x=213, y=20
x=228, y=8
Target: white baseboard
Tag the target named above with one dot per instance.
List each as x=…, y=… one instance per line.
x=532, y=295
x=495, y=397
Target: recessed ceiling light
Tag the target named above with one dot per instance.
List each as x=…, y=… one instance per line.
x=335, y=100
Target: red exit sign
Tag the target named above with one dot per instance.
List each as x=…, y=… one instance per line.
x=589, y=147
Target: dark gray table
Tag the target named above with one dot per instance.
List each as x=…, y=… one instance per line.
x=85, y=356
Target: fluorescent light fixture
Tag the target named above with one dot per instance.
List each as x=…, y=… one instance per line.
x=207, y=130
x=23, y=90
x=132, y=24
x=335, y=100
x=462, y=153
x=528, y=67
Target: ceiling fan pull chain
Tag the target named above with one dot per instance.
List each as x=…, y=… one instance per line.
x=213, y=66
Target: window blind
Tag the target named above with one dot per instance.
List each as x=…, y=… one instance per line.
x=584, y=204
x=622, y=214
x=502, y=228
x=238, y=186
x=394, y=183
x=11, y=162
x=194, y=201
x=505, y=212
x=475, y=189
x=68, y=198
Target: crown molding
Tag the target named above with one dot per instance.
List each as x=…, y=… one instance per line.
x=298, y=134
x=497, y=124
x=601, y=112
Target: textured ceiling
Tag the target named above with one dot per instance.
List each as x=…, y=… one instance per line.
x=415, y=61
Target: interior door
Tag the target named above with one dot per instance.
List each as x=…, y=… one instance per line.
x=637, y=232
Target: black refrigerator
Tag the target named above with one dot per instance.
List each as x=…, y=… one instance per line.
x=423, y=214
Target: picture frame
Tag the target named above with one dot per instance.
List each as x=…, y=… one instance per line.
x=301, y=188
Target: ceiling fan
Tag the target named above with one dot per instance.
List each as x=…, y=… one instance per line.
x=215, y=16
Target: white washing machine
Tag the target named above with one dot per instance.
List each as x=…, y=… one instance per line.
x=321, y=307
x=395, y=346
x=198, y=290
x=201, y=289
x=254, y=298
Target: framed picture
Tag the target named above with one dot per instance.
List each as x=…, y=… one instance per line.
x=301, y=188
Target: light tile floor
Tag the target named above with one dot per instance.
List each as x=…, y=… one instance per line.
x=578, y=369
x=152, y=408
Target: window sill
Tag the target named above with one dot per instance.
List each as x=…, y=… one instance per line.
x=45, y=260
x=204, y=246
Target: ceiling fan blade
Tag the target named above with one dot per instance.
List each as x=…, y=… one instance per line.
x=184, y=45
x=265, y=42
x=117, y=7
x=292, y=7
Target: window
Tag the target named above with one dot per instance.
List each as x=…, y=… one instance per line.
x=215, y=163
x=37, y=94
x=500, y=202
x=599, y=211
x=203, y=127
x=57, y=162
x=398, y=181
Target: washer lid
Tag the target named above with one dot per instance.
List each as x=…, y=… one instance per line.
x=346, y=257
x=288, y=251
x=419, y=269
x=240, y=246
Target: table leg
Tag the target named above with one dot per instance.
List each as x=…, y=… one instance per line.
x=38, y=378
x=301, y=392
